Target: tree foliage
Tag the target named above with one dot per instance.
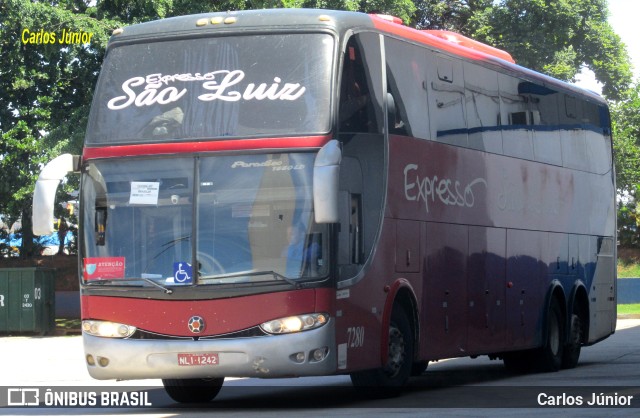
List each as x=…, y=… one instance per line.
x=556, y=37
x=135, y=11
x=46, y=89
x=626, y=133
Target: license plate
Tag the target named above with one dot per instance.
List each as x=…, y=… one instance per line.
x=205, y=359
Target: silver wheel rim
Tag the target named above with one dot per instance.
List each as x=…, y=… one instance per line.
x=396, y=351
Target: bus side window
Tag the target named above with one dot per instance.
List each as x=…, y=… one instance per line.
x=573, y=135
x=351, y=236
x=517, y=137
x=599, y=141
x=355, y=228
x=483, y=108
x=446, y=100
x=406, y=89
x=597, y=137
x=542, y=116
x=359, y=107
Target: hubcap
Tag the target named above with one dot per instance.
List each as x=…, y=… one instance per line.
x=396, y=351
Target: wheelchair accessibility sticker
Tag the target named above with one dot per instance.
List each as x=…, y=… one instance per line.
x=182, y=273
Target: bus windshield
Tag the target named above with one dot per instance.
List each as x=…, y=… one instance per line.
x=207, y=88
x=201, y=220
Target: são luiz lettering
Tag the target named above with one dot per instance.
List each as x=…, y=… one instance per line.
x=66, y=37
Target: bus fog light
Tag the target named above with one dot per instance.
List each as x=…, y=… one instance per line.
x=319, y=354
x=295, y=323
x=103, y=361
x=298, y=357
x=90, y=360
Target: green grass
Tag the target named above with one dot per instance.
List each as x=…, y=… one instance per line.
x=629, y=309
x=626, y=269
x=628, y=262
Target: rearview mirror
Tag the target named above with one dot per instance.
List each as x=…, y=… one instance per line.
x=326, y=174
x=44, y=194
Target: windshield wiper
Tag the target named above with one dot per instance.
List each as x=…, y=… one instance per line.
x=144, y=279
x=276, y=276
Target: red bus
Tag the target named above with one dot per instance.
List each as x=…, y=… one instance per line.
x=284, y=193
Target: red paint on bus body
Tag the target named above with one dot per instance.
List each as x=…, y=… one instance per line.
x=204, y=146
x=437, y=41
x=221, y=316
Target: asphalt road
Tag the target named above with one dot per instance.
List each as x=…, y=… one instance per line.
x=610, y=371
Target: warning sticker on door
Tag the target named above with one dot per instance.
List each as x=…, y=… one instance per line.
x=103, y=268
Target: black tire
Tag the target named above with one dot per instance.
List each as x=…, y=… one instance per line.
x=549, y=357
x=571, y=353
x=518, y=361
x=400, y=360
x=418, y=368
x=193, y=390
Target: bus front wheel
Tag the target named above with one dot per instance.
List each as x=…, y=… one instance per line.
x=193, y=390
x=399, y=364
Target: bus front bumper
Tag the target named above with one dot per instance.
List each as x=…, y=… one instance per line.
x=268, y=356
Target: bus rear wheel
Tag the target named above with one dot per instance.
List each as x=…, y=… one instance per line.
x=399, y=364
x=549, y=356
x=193, y=390
x=571, y=353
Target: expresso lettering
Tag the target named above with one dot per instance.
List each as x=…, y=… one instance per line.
x=433, y=189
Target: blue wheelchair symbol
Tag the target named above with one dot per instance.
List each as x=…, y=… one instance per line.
x=182, y=272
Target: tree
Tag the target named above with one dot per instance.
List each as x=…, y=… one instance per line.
x=46, y=89
x=454, y=15
x=555, y=37
x=626, y=134
x=135, y=11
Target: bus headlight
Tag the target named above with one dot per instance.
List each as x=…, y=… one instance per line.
x=107, y=329
x=295, y=323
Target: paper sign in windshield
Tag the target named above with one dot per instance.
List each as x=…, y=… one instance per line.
x=144, y=193
x=103, y=268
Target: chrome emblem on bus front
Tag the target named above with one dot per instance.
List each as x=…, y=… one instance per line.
x=196, y=324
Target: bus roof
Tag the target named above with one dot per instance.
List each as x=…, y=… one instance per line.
x=486, y=54
x=235, y=21
x=339, y=21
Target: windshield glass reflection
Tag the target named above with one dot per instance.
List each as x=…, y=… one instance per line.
x=253, y=220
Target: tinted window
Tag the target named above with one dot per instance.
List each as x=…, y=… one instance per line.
x=516, y=118
x=407, y=97
x=447, y=100
x=213, y=87
x=542, y=117
x=483, y=108
x=360, y=95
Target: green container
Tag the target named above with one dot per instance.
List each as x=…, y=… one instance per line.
x=27, y=300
